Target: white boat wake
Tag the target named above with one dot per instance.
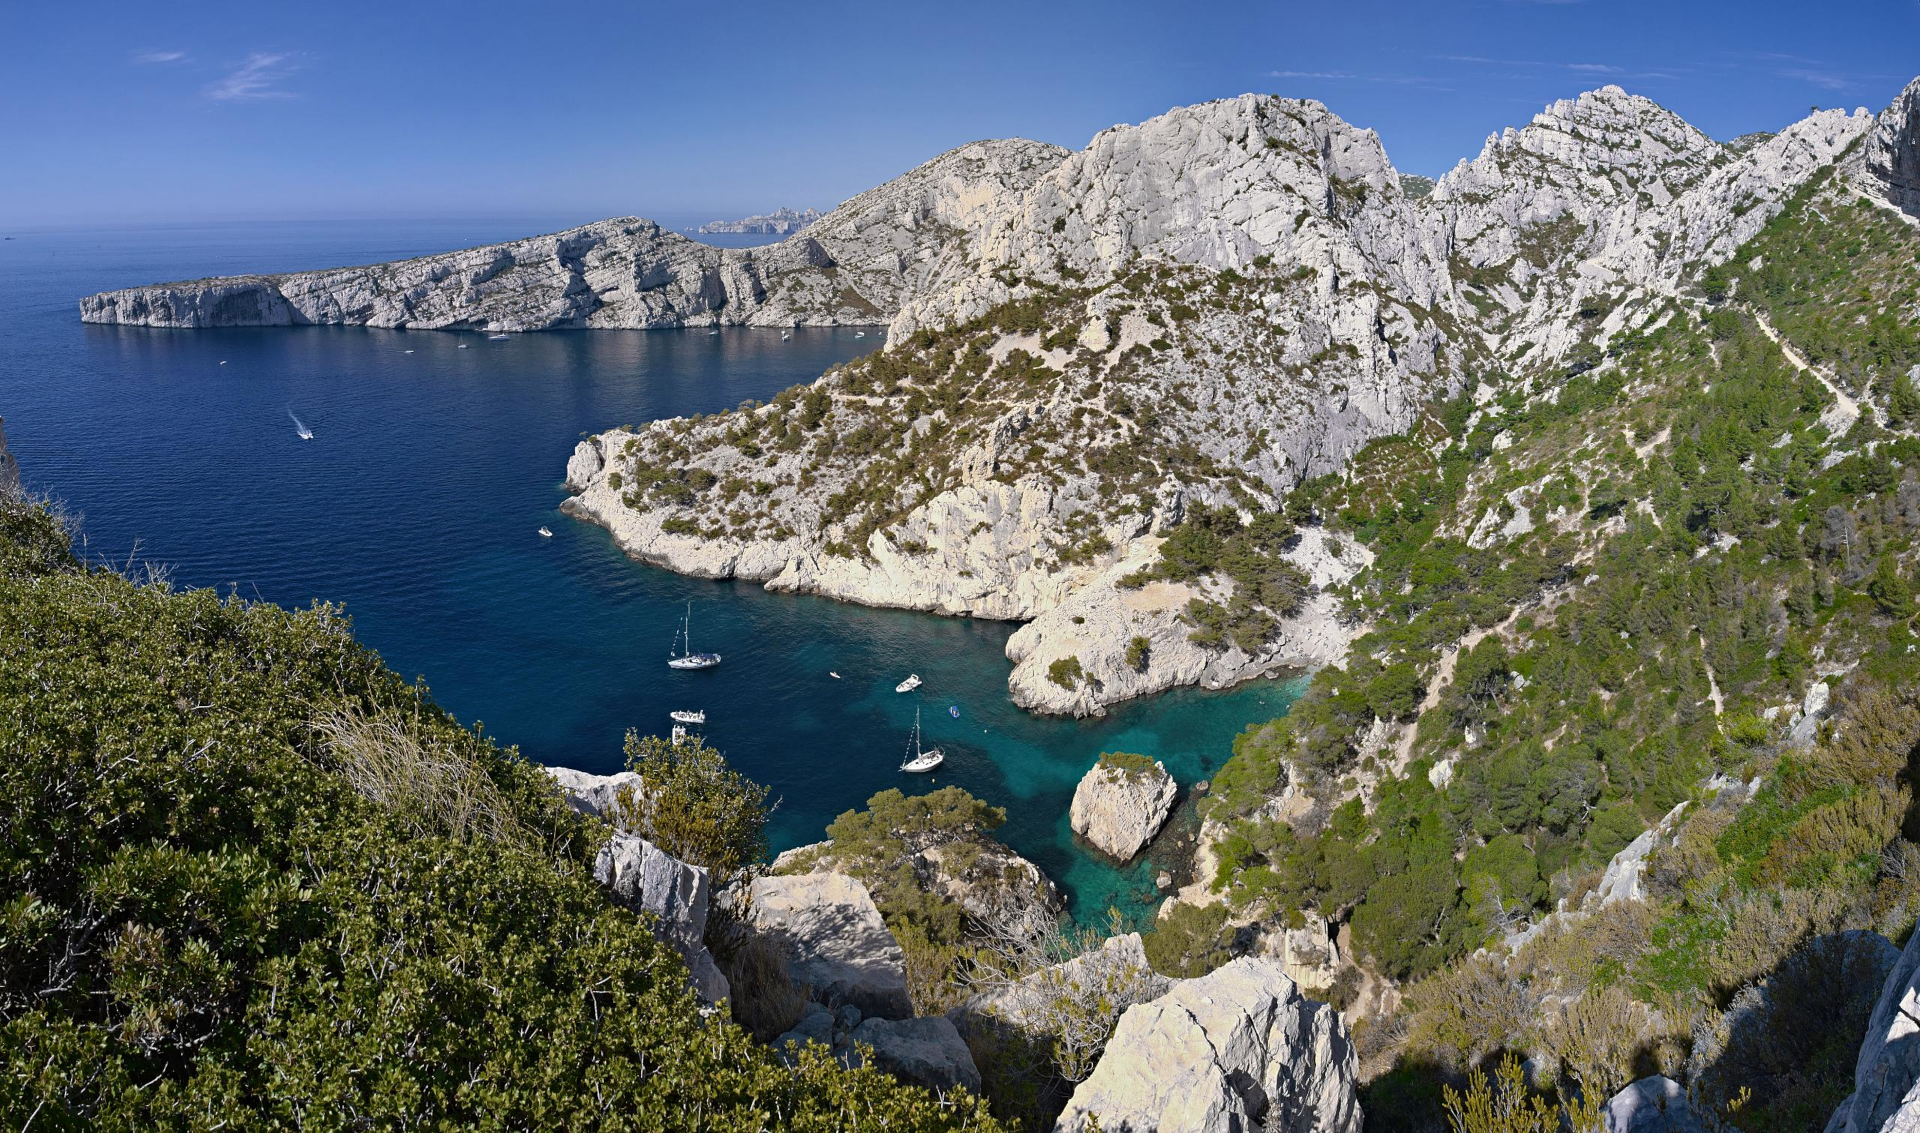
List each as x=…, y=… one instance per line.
x=300, y=427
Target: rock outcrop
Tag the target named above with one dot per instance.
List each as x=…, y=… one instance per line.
x=983, y=876
x=1121, y=803
x=1237, y=1049
x=926, y=1051
x=593, y=794
x=1654, y=1104
x=1886, y=1077
x=646, y=879
x=9, y=467
x=837, y=944
x=1893, y=152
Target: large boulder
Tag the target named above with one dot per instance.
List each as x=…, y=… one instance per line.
x=1122, y=802
x=927, y=1051
x=1885, y=1091
x=1238, y=1049
x=837, y=945
x=983, y=876
x=647, y=879
x=1654, y=1104
x=593, y=794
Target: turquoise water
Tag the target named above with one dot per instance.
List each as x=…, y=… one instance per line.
x=417, y=505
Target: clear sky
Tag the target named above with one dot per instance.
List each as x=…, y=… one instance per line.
x=116, y=111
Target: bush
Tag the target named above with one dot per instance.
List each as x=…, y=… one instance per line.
x=1189, y=941
x=1138, y=652
x=1066, y=672
x=695, y=807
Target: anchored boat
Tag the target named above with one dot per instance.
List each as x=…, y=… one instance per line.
x=917, y=761
x=689, y=659
x=912, y=682
x=689, y=716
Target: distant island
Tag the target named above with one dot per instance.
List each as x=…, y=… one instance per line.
x=779, y=222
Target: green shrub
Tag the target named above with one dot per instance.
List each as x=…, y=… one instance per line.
x=1066, y=672
x=1138, y=652
x=1189, y=941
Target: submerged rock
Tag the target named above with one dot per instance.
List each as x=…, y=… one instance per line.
x=647, y=879
x=1237, y=1049
x=838, y=946
x=1121, y=803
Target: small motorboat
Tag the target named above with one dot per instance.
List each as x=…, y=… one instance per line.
x=912, y=682
x=711, y=333
x=679, y=734
x=688, y=715
x=920, y=762
x=859, y=334
x=406, y=352
x=784, y=335
x=953, y=710
x=223, y=361
x=462, y=346
x=834, y=675
x=300, y=427
x=496, y=338
x=545, y=534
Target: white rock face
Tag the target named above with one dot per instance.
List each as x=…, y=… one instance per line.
x=1237, y=1049
x=1886, y=1078
x=1621, y=882
x=593, y=794
x=837, y=944
x=985, y=878
x=646, y=879
x=1120, y=810
x=1893, y=152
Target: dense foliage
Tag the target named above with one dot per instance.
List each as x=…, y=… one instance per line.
x=220, y=906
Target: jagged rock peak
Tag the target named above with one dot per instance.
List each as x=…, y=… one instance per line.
x=1605, y=141
x=1893, y=151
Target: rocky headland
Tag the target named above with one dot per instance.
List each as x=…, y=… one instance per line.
x=782, y=221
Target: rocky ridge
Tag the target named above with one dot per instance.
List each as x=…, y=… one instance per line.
x=1893, y=153
x=782, y=221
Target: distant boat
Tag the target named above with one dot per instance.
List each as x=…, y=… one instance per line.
x=785, y=335
x=679, y=735
x=834, y=675
x=689, y=659
x=223, y=361
x=917, y=761
x=462, y=346
x=496, y=338
x=712, y=333
x=544, y=533
x=859, y=334
x=689, y=716
x=406, y=352
x=953, y=710
x=912, y=682
x=299, y=427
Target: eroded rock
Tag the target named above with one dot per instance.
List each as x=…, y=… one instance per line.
x=1121, y=803
x=838, y=946
x=642, y=877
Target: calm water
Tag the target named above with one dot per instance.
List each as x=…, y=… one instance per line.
x=417, y=506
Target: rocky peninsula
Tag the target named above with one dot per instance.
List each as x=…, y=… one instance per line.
x=782, y=221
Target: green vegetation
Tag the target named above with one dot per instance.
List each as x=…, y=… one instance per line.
x=252, y=878
x=1067, y=673
x=1127, y=763
x=695, y=807
x=1216, y=541
x=1138, y=651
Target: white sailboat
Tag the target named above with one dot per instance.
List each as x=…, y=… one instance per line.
x=689, y=659
x=912, y=682
x=688, y=715
x=918, y=761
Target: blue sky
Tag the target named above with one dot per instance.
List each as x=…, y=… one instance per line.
x=114, y=111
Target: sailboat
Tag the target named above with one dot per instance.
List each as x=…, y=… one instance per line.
x=919, y=761
x=689, y=659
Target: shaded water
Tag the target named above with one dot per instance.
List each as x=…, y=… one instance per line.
x=418, y=501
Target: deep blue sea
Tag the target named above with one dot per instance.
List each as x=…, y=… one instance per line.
x=417, y=506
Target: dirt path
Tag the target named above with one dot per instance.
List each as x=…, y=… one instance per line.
x=1845, y=409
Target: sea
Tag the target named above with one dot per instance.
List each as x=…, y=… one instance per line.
x=435, y=460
